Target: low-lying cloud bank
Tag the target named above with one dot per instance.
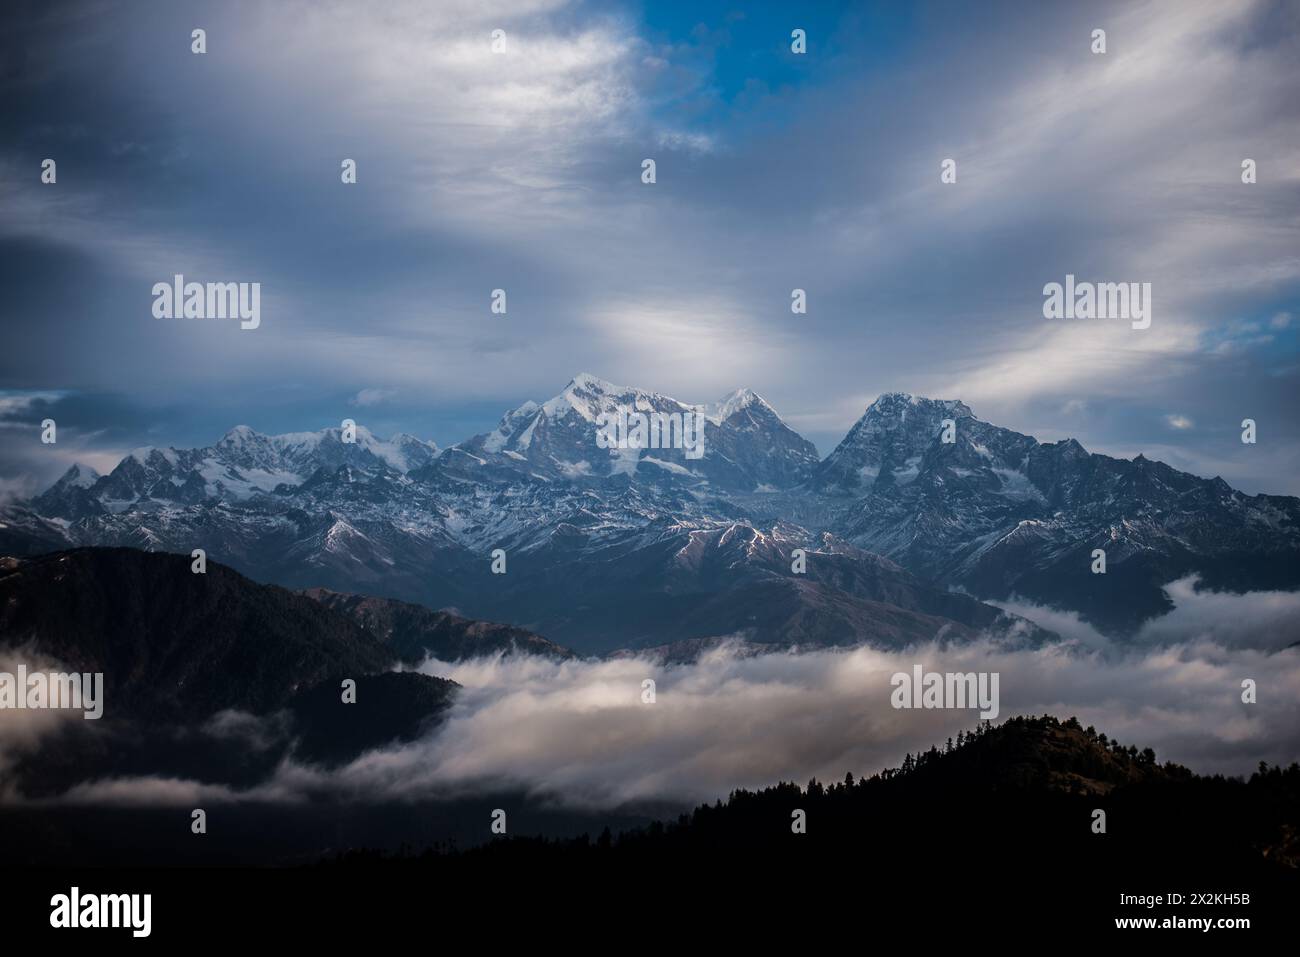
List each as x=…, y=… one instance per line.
x=579, y=733
x=1267, y=620
x=26, y=728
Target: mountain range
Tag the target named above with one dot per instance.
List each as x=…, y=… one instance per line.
x=905, y=535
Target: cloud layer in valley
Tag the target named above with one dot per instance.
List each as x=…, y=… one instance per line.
x=576, y=733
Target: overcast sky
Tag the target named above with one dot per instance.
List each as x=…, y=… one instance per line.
x=522, y=170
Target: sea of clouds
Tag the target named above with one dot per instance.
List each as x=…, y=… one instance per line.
x=579, y=734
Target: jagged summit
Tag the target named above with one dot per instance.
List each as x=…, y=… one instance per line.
x=240, y=434
x=737, y=401
x=78, y=476
x=241, y=464
x=585, y=380
x=902, y=403
x=589, y=394
x=891, y=439
x=746, y=445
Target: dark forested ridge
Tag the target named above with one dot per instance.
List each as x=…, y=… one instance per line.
x=1005, y=810
x=173, y=644
x=185, y=655
x=989, y=838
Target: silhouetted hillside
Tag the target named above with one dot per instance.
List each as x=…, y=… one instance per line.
x=398, y=706
x=207, y=677
x=1007, y=811
x=173, y=643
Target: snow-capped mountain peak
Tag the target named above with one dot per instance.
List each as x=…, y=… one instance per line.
x=589, y=396
x=239, y=436
x=892, y=439
x=718, y=412
x=241, y=464
x=745, y=444
x=901, y=405
x=582, y=395
x=79, y=476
